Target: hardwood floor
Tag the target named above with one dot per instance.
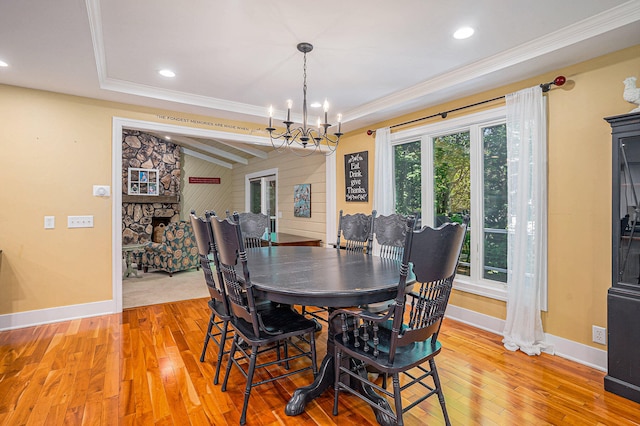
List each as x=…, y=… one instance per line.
x=142, y=367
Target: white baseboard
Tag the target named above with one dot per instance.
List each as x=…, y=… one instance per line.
x=63, y=313
x=578, y=352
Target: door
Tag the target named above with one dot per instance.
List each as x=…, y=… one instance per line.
x=262, y=197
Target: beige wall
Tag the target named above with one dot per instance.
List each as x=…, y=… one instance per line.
x=53, y=149
x=579, y=188
x=292, y=170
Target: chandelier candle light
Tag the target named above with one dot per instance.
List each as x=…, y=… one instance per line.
x=303, y=135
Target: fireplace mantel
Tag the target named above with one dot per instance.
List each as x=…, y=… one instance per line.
x=148, y=199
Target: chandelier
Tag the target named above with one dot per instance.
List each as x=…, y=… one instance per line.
x=304, y=136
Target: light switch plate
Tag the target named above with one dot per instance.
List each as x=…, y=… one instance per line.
x=49, y=222
x=79, y=221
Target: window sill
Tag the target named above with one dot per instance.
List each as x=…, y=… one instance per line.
x=496, y=291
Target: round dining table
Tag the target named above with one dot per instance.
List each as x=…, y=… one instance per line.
x=324, y=277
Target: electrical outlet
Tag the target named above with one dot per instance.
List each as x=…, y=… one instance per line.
x=79, y=221
x=599, y=335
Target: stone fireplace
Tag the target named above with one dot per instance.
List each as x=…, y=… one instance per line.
x=141, y=213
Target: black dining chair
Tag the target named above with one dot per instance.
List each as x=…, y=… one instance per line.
x=263, y=331
x=405, y=337
x=356, y=232
x=218, y=327
x=255, y=226
x=390, y=233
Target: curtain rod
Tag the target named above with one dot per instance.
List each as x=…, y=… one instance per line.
x=558, y=81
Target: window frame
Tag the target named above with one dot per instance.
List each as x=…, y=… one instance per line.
x=473, y=123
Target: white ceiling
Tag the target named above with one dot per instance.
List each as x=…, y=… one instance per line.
x=372, y=59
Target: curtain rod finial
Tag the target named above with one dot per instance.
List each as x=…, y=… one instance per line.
x=558, y=81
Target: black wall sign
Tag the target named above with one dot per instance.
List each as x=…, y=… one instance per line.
x=356, y=176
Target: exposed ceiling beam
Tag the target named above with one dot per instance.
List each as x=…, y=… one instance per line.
x=192, y=143
x=192, y=153
x=244, y=148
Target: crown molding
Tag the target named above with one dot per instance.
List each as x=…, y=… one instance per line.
x=147, y=91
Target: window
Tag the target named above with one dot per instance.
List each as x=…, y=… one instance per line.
x=458, y=168
x=407, y=177
x=494, y=140
x=452, y=186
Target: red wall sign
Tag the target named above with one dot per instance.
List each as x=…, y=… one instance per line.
x=209, y=180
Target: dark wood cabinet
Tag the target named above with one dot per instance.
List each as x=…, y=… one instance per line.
x=623, y=298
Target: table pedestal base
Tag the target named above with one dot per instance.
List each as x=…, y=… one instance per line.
x=325, y=378
x=303, y=395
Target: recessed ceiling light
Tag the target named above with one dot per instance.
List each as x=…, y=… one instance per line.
x=315, y=105
x=462, y=33
x=168, y=137
x=3, y=64
x=167, y=73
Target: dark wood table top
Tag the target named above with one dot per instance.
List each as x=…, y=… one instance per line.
x=317, y=276
x=284, y=239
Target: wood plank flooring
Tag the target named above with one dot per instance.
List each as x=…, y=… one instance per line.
x=142, y=368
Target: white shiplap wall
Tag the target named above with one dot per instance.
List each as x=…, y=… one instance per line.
x=292, y=170
x=201, y=197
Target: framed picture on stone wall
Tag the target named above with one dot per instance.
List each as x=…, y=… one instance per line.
x=143, y=181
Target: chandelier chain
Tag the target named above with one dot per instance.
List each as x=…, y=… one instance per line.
x=317, y=139
x=304, y=92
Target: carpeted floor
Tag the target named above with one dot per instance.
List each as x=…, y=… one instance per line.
x=156, y=287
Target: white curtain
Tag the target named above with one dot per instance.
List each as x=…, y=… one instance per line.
x=527, y=215
x=384, y=188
